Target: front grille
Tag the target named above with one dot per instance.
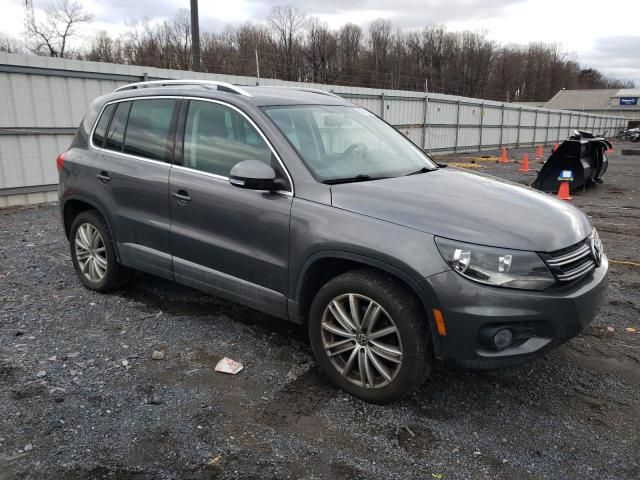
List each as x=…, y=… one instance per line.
x=571, y=263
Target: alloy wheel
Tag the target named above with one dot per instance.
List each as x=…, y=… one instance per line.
x=361, y=340
x=90, y=252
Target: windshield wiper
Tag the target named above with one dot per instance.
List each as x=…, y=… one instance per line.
x=422, y=170
x=358, y=178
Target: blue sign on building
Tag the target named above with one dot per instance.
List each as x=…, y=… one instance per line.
x=628, y=100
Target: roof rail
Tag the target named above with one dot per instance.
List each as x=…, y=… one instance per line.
x=222, y=86
x=303, y=89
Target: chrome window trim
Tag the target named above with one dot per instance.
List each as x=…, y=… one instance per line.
x=182, y=97
x=224, y=179
x=206, y=174
x=133, y=157
x=122, y=154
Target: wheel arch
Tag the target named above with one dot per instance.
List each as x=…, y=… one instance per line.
x=73, y=206
x=323, y=266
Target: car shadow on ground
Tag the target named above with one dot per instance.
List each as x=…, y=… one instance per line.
x=498, y=406
x=160, y=295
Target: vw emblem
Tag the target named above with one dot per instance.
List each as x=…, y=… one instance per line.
x=596, y=252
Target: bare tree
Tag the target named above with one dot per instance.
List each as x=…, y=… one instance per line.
x=287, y=23
x=507, y=75
x=249, y=40
x=178, y=39
x=290, y=47
x=349, y=51
x=380, y=38
x=103, y=48
x=614, y=82
x=320, y=51
x=9, y=44
x=52, y=35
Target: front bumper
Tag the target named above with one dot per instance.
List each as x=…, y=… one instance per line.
x=543, y=319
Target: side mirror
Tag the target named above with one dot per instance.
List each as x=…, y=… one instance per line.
x=254, y=175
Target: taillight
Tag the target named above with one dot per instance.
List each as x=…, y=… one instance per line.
x=60, y=161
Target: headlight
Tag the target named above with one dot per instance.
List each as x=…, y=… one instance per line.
x=596, y=247
x=496, y=266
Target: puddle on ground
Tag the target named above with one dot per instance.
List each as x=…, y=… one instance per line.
x=296, y=405
x=417, y=440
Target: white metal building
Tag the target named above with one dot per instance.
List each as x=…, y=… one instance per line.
x=623, y=102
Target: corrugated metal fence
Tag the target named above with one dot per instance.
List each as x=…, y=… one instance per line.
x=42, y=101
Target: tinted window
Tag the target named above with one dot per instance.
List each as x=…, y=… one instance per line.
x=217, y=137
x=148, y=128
x=101, y=127
x=116, y=128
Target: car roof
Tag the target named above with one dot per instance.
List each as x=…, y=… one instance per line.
x=257, y=96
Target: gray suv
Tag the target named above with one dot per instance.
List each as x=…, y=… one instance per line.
x=299, y=204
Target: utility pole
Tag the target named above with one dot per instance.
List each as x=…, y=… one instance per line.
x=195, y=37
x=29, y=17
x=28, y=5
x=257, y=69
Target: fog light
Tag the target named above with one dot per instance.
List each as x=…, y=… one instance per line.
x=502, y=339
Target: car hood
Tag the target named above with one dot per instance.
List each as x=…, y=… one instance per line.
x=469, y=207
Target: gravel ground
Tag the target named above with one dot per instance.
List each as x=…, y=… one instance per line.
x=83, y=398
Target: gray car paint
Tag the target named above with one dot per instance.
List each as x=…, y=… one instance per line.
x=137, y=197
x=229, y=231
x=468, y=306
x=501, y=214
x=256, y=247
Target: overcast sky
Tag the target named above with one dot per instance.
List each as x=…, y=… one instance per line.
x=601, y=34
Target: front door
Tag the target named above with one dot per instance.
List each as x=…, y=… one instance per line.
x=224, y=239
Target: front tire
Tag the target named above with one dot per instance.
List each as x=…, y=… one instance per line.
x=369, y=336
x=93, y=254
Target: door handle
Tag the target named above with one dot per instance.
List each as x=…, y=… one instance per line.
x=181, y=196
x=103, y=177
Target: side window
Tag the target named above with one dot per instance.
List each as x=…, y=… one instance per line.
x=217, y=137
x=115, y=135
x=101, y=128
x=249, y=133
x=148, y=128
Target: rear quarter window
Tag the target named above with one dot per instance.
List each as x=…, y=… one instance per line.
x=101, y=128
x=115, y=133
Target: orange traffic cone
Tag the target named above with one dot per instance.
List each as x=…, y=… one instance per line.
x=525, y=163
x=563, y=191
x=539, y=154
x=555, y=147
x=503, y=156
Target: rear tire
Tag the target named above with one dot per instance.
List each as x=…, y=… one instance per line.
x=93, y=253
x=382, y=352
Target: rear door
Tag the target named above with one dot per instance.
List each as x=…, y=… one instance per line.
x=132, y=178
x=224, y=239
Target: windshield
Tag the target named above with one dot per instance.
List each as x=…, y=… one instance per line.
x=348, y=143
